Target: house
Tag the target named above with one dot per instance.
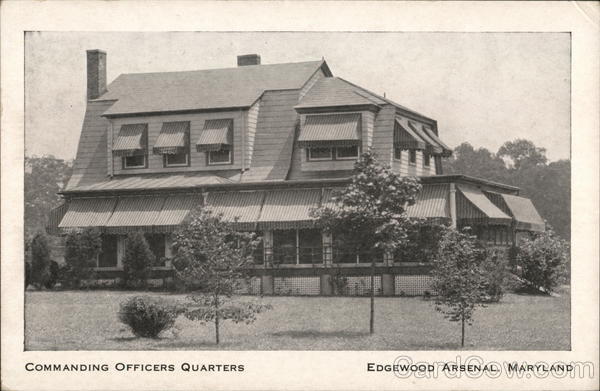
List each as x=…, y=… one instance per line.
x=264, y=144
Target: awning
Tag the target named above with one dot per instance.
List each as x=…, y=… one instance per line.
x=473, y=207
x=446, y=151
x=405, y=137
x=289, y=209
x=521, y=209
x=131, y=140
x=173, y=138
x=243, y=207
x=215, y=135
x=430, y=145
x=88, y=212
x=431, y=203
x=55, y=217
x=330, y=130
x=175, y=210
x=135, y=213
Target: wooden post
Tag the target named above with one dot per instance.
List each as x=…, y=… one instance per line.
x=452, y=200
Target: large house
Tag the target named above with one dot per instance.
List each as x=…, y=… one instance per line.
x=264, y=144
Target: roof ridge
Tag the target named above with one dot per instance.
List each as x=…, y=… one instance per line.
x=320, y=62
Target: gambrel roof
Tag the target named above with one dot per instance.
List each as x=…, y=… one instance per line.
x=210, y=89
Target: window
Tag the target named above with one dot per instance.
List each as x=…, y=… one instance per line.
x=397, y=153
x=284, y=246
x=222, y=156
x=350, y=152
x=426, y=159
x=412, y=156
x=176, y=160
x=156, y=242
x=137, y=161
x=108, y=252
x=315, y=154
x=310, y=246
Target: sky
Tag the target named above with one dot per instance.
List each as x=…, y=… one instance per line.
x=482, y=88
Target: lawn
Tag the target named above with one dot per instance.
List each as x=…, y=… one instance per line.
x=76, y=320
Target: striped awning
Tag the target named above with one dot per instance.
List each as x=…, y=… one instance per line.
x=405, y=137
x=217, y=133
x=446, y=151
x=327, y=200
x=288, y=209
x=173, y=138
x=473, y=207
x=431, y=203
x=55, y=217
x=135, y=213
x=174, y=211
x=330, y=130
x=430, y=145
x=131, y=140
x=88, y=212
x=241, y=207
x=521, y=209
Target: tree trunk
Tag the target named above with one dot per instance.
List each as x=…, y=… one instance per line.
x=462, y=338
x=372, y=317
x=217, y=319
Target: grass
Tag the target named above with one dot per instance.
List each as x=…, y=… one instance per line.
x=79, y=320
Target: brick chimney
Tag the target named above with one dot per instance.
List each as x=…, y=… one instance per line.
x=248, y=59
x=96, y=73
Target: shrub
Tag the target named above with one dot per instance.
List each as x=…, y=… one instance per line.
x=81, y=251
x=148, y=316
x=495, y=273
x=52, y=276
x=138, y=259
x=544, y=260
x=40, y=260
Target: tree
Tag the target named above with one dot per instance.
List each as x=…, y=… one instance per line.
x=40, y=260
x=81, y=253
x=44, y=177
x=522, y=153
x=138, y=259
x=544, y=260
x=210, y=256
x=370, y=212
x=458, y=278
x=480, y=163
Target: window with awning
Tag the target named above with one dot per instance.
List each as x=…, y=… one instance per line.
x=241, y=207
x=431, y=203
x=473, y=208
x=430, y=145
x=88, y=213
x=131, y=140
x=172, y=139
x=521, y=209
x=446, y=151
x=330, y=130
x=216, y=135
x=286, y=209
x=405, y=137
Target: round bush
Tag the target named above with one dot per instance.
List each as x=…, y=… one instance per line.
x=148, y=316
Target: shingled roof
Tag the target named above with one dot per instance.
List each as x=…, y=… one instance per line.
x=240, y=87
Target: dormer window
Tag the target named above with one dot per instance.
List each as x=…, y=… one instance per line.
x=173, y=143
x=316, y=154
x=216, y=140
x=331, y=136
x=349, y=152
x=132, y=145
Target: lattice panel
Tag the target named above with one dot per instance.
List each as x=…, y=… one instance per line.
x=297, y=285
x=361, y=286
x=412, y=285
x=249, y=287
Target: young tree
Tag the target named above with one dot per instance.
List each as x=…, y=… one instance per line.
x=544, y=260
x=81, y=253
x=40, y=260
x=210, y=256
x=370, y=212
x=458, y=278
x=138, y=259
